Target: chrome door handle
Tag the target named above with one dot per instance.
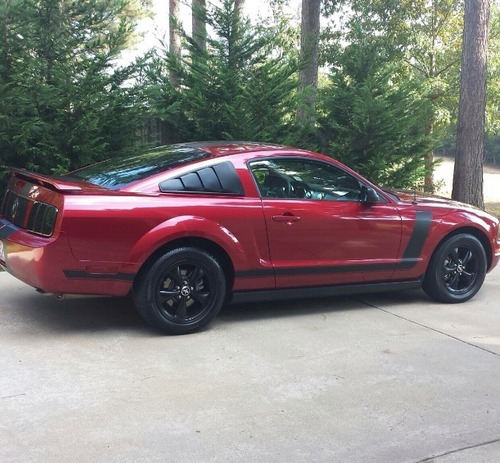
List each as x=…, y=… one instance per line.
x=286, y=218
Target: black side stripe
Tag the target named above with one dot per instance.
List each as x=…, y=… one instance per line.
x=419, y=235
x=254, y=273
x=412, y=252
x=82, y=275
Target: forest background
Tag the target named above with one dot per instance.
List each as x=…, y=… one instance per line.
x=385, y=100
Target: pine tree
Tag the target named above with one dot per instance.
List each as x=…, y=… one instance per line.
x=239, y=87
x=374, y=121
x=64, y=103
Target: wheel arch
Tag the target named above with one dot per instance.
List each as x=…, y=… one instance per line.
x=204, y=244
x=477, y=233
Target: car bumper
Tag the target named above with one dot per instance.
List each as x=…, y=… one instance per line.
x=48, y=265
x=496, y=255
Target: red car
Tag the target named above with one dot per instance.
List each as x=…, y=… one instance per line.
x=187, y=228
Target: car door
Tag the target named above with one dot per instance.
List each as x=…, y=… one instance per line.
x=320, y=231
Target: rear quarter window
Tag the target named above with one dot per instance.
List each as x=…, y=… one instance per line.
x=221, y=178
x=118, y=172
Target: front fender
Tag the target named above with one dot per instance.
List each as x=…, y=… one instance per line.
x=478, y=223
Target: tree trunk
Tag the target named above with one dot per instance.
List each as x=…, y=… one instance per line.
x=238, y=14
x=429, y=186
x=429, y=157
x=468, y=174
x=174, y=36
x=198, y=11
x=309, y=53
x=238, y=5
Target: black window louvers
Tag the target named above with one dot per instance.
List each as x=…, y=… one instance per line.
x=192, y=182
x=210, y=180
x=229, y=178
x=221, y=178
x=173, y=184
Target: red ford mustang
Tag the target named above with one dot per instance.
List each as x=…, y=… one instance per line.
x=186, y=228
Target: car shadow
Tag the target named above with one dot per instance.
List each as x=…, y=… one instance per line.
x=391, y=298
x=311, y=306
x=91, y=314
x=74, y=314
x=286, y=308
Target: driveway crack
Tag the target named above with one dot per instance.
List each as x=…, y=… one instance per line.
x=451, y=452
x=409, y=320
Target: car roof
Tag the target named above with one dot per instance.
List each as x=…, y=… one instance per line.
x=218, y=151
x=226, y=148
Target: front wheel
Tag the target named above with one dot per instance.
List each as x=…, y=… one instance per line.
x=181, y=292
x=457, y=269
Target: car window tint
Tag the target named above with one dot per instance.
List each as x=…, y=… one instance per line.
x=304, y=179
x=118, y=172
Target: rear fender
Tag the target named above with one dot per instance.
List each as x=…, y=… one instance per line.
x=188, y=227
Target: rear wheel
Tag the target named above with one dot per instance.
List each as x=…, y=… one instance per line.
x=181, y=292
x=457, y=269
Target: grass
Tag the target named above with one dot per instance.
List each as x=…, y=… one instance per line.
x=493, y=209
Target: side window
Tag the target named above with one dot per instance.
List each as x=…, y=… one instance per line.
x=300, y=178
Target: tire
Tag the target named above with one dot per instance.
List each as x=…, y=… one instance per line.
x=181, y=292
x=457, y=269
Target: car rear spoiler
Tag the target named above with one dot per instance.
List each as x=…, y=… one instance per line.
x=45, y=180
x=53, y=183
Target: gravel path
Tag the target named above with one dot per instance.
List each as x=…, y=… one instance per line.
x=491, y=178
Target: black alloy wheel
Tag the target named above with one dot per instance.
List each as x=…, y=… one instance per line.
x=181, y=292
x=457, y=269
x=460, y=269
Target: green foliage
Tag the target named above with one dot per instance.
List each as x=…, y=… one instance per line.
x=241, y=87
x=492, y=150
x=493, y=87
x=434, y=52
x=424, y=38
x=374, y=121
x=64, y=104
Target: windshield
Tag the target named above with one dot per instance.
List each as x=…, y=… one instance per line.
x=118, y=172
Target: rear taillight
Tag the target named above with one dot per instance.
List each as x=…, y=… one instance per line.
x=15, y=208
x=42, y=219
x=34, y=216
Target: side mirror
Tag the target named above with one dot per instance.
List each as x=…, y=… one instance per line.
x=368, y=195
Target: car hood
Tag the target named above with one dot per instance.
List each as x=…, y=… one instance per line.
x=433, y=201
x=446, y=205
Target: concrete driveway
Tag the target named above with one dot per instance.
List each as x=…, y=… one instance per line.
x=381, y=378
